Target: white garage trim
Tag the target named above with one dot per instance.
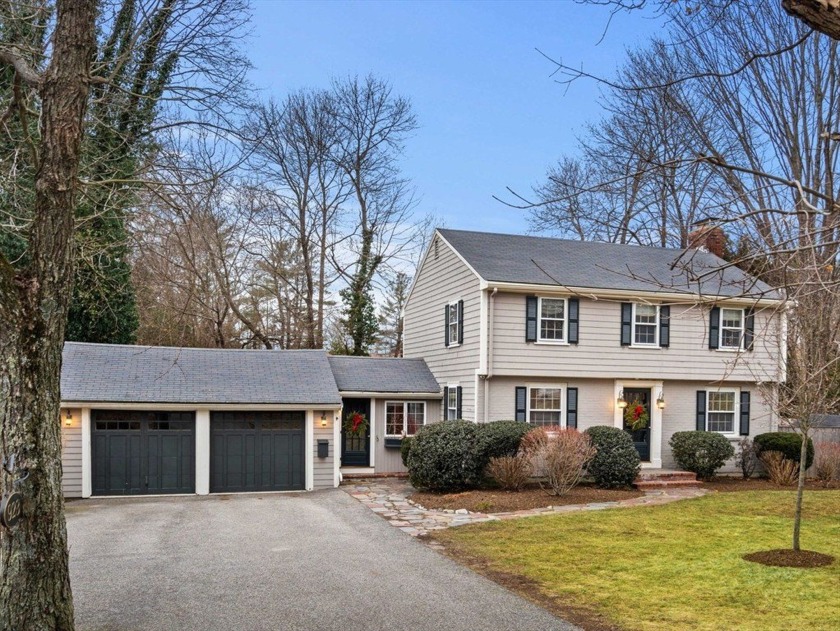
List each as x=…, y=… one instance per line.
x=87, y=481
x=309, y=451
x=202, y=452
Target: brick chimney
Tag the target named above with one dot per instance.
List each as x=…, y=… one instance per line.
x=709, y=237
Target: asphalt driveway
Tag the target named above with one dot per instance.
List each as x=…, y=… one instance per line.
x=318, y=561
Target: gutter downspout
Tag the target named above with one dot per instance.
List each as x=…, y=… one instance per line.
x=489, y=374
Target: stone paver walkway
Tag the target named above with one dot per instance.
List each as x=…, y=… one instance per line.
x=388, y=497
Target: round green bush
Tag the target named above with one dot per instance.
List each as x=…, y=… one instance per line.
x=405, y=449
x=788, y=443
x=702, y=453
x=443, y=457
x=616, y=463
x=453, y=455
x=499, y=438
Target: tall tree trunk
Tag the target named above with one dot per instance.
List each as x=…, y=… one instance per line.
x=34, y=575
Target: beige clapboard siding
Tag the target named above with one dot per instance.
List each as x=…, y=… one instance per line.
x=441, y=280
x=599, y=352
x=323, y=473
x=390, y=460
x=596, y=406
x=71, y=455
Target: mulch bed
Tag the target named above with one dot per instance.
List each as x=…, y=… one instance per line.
x=728, y=484
x=498, y=501
x=790, y=558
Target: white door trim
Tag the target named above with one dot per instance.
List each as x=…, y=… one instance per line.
x=309, y=450
x=87, y=463
x=655, y=417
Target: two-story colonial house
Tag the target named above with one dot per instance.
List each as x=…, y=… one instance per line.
x=557, y=332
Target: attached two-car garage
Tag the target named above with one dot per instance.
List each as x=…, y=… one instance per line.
x=153, y=452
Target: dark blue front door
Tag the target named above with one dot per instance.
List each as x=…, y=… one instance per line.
x=355, y=449
x=641, y=437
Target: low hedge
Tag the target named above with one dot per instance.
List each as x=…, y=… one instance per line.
x=616, y=463
x=789, y=444
x=453, y=455
x=702, y=453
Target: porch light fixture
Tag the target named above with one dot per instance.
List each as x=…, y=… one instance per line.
x=323, y=419
x=621, y=401
x=660, y=401
x=68, y=421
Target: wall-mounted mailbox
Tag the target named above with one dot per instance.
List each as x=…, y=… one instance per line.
x=323, y=448
x=393, y=443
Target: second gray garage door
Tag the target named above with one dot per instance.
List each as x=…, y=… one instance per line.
x=257, y=451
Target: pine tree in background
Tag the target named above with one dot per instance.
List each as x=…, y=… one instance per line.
x=390, y=316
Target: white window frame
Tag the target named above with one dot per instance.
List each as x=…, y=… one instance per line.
x=742, y=330
x=453, y=340
x=736, y=409
x=633, y=342
x=452, y=390
x=404, y=405
x=547, y=386
x=540, y=338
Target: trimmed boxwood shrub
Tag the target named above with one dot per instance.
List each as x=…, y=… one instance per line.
x=702, y=453
x=405, y=448
x=443, y=456
x=788, y=444
x=616, y=463
x=453, y=455
x=499, y=438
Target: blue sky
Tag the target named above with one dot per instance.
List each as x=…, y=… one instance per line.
x=490, y=115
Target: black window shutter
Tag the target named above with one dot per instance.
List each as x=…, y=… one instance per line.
x=664, y=326
x=446, y=325
x=531, y=305
x=521, y=403
x=458, y=403
x=445, y=403
x=745, y=414
x=571, y=407
x=714, y=327
x=749, y=328
x=460, y=322
x=626, y=323
x=574, y=316
x=701, y=411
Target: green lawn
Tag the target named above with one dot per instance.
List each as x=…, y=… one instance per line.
x=676, y=566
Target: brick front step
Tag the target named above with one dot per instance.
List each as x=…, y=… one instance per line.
x=666, y=479
x=643, y=485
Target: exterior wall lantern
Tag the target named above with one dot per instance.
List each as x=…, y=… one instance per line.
x=660, y=401
x=323, y=419
x=68, y=420
x=621, y=401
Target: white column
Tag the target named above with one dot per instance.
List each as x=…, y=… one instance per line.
x=656, y=427
x=202, y=452
x=87, y=464
x=337, y=415
x=373, y=436
x=309, y=450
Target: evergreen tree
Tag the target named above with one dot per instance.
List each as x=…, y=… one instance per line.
x=390, y=316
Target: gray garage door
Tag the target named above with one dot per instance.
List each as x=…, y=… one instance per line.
x=256, y=451
x=137, y=453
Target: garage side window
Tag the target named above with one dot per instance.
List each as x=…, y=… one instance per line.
x=404, y=418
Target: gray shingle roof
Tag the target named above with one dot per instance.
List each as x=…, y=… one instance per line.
x=155, y=374
x=383, y=374
x=548, y=261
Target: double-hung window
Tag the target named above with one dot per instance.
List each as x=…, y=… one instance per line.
x=721, y=410
x=545, y=406
x=731, y=328
x=452, y=403
x=453, y=324
x=553, y=320
x=645, y=325
x=404, y=418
